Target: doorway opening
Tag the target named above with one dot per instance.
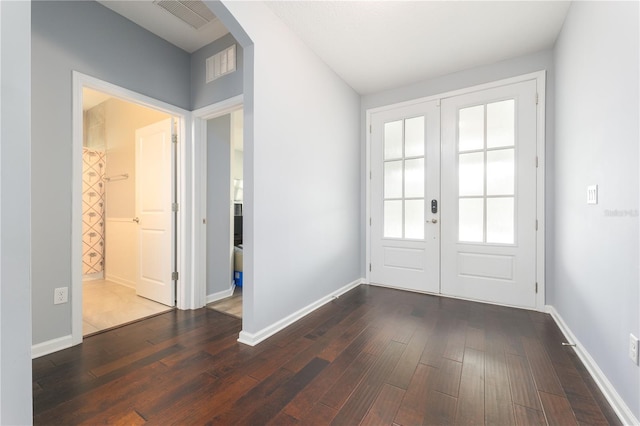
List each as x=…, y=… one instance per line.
x=128, y=219
x=224, y=207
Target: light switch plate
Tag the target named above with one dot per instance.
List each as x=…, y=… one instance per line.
x=592, y=194
x=633, y=348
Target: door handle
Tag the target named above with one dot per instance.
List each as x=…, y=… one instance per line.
x=136, y=220
x=434, y=220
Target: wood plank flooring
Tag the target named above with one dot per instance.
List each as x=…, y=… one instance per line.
x=231, y=305
x=374, y=357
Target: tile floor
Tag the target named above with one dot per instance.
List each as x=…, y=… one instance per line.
x=106, y=304
x=231, y=305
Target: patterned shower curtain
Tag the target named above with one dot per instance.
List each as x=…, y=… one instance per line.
x=93, y=163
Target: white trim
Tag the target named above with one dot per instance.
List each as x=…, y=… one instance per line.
x=214, y=297
x=621, y=409
x=253, y=339
x=199, y=119
x=541, y=89
x=51, y=346
x=449, y=296
x=183, y=172
x=219, y=108
x=540, y=78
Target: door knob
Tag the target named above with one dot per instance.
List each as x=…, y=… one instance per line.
x=434, y=220
x=136, y=220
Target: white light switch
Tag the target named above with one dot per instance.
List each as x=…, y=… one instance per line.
x=592, y=194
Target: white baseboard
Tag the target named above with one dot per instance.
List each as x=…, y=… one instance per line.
x=220, y=295
x=93, y=277
x=617, y=403
x=51, y=346
x=253, y=339
x=120, y=280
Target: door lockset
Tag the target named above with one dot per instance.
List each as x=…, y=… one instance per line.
x=434, y=206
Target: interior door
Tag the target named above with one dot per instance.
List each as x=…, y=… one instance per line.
x=154, y=198
x=405, y=180
x=489, y=195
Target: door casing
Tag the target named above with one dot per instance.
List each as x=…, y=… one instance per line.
x=540, y=78
x=183, y=235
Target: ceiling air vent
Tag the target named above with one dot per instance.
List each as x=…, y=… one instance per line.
x=194, y=12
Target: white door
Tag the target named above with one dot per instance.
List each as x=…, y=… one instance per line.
x=489, y=195
x=154, y=198
x=405, y=178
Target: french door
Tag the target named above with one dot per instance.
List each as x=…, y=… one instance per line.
x=405, y=178
x=457, y=216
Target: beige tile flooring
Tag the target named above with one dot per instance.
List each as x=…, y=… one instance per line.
x=231, y=305
x=106, y=304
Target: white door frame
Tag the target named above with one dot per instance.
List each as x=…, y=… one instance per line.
x=183, y=238
x=199, y=124
x=540, y=78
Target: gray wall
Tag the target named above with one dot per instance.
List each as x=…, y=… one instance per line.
x=219, y=245
x=92, y=39
x=15, y=211
x=485, y=74
x=593, y=276
x=227, y=86
x=301, y=173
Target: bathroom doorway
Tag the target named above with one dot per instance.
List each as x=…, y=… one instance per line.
x=128, y=220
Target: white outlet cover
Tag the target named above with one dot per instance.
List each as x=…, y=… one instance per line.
x=592, y=194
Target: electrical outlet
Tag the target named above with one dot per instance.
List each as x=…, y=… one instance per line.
x=60, y=295
x=633, y=348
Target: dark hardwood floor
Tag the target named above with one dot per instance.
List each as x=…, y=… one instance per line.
x=374, y=356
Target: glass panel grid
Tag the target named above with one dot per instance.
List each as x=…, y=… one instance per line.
x=486, y=173
x=404, y=178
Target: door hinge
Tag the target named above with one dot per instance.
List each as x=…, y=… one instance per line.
x=370, y=175
x=537, y=98
x=174, y=138
x=536, y=288
x=369, y=221
x=174, y=276
x=536, y=224
x=369, y=267
x=369, y=128
x=174, y=207
x=536, y=162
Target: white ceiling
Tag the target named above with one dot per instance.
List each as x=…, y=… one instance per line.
x=379, y=45
x=163, y=24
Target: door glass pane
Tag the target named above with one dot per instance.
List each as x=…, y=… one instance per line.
x=393, y=179
x=414, y=178
x=471, y=169
x=471, y=220
x=471, y=128
x=500, y=220
x=501, y=124
x=500, y=172
x=414, y=219
x=393, y=219
x=414, y=137
x=393, y=140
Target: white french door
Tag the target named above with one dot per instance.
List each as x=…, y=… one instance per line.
x=489, y=195
x=474, y=158
x=405, y=179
